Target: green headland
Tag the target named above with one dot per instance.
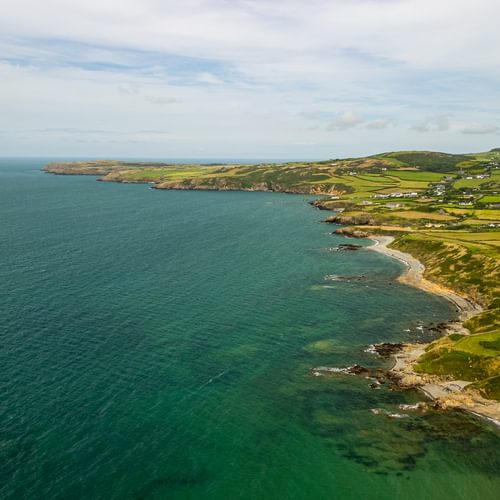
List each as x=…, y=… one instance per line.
x=443, y=209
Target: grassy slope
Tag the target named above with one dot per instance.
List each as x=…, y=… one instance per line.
x=474, y=358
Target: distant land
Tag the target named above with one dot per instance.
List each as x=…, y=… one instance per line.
x=442, y=209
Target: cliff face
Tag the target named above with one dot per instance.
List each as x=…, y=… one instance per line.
x=214, y=184
x=332, y=204
x=351, y=220
x=222, y=184
x=352, y=232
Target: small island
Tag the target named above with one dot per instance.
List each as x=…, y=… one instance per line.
x=437, y=212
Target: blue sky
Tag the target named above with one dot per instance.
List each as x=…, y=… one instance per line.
x=248, y=78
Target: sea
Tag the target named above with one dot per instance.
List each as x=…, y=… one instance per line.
x=162, y=345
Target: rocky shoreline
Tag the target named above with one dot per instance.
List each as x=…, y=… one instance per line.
x=444, y=391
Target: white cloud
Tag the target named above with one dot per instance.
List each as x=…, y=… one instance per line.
x=345, y=121
x=418, y=33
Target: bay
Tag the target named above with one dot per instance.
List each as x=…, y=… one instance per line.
x=159, y=344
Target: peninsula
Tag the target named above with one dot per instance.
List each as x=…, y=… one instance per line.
x=438, y=212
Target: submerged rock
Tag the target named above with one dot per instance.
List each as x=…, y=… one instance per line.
x=325, y=346
x=348, y=370
x=335, y=277
x=348, y=247
x=420, y=406
x=381, y=411
x=345, y=247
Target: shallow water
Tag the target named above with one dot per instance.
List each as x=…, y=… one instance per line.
x=159, y=344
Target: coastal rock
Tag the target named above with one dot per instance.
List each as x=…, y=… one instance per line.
x=331, y=205
x=385, y=349
x=350, y=220
x=351, y=232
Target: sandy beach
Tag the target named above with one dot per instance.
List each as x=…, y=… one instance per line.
x=414, y=275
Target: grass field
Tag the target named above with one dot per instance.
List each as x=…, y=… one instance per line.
x=467, y=236
x=472, y=358
x=475, y=183
x=490, y=199
x=157, y=174
x=480, y=222
x=487, y=344
x=484, y=214
x=416, y=175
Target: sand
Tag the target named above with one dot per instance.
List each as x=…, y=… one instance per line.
x=414, y=275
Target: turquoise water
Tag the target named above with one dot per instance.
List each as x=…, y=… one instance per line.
x=159, y=344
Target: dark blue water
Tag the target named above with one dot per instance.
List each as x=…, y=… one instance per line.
x=159, y=345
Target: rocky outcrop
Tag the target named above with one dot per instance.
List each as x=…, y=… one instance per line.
x=331, y=205
x=352, y=232
x=385, y=349
x=351, y=220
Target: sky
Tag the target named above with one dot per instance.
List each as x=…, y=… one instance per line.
x=248, y=78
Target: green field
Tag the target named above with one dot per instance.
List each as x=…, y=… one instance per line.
x=490, y=199
x=485, y=214
x=490, y=237
x=487, y=344
x=416, y=175
x=476, y=183
x=472, y=358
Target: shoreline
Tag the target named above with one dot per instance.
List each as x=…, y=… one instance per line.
x=414, y=276
x=445, y=392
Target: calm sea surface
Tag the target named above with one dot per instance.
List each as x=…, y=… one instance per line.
x=158, y=344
